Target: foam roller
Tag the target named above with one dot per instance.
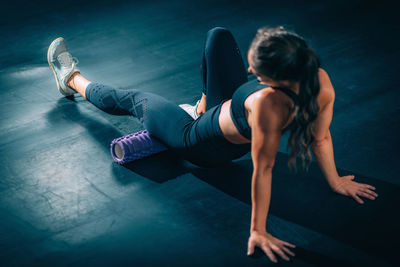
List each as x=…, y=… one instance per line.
x=135, y=146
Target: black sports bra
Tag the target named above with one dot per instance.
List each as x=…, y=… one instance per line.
x=237, y=105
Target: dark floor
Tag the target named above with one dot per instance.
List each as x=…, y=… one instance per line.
x=64, y=202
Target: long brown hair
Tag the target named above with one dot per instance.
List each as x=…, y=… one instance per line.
x=281, y=54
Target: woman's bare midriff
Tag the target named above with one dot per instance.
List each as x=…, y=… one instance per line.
x=227, y=126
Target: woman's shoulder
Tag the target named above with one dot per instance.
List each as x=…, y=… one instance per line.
x=268, y=105
x=327, y=92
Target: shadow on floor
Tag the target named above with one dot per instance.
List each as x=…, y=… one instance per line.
x=303, y=255
x=306, y=199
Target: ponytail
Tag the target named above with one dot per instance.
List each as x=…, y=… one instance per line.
x=302, y=136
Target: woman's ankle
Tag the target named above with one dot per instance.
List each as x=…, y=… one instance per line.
x=78, y=83
x=70, y=82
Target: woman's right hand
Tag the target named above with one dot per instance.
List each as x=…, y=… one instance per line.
x=269, y=244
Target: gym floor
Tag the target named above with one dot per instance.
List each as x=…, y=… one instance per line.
x=63, y=201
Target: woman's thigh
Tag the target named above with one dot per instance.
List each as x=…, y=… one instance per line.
x=165, y=120
x=200, y=141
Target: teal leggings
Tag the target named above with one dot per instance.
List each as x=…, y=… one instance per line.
x=199, y=141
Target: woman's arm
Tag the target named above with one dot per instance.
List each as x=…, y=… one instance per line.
x=323, y=151
x=266, y=135
x=266, y=127
x=323, y=147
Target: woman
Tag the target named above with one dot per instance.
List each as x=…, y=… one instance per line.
x=235, y=116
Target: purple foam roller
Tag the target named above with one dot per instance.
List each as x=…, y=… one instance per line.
x=135, y=146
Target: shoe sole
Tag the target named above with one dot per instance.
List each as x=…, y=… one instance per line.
x=51, y=67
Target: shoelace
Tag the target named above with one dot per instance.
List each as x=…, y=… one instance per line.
x=66, y=60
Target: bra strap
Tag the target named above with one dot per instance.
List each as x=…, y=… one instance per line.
x=290, y=93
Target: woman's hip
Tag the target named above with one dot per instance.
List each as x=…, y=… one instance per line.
x=205, y=143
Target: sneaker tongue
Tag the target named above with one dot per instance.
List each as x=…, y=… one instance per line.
x=65, y=59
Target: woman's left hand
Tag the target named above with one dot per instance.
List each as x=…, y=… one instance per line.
x=346, y=186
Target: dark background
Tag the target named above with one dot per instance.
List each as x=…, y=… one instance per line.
x=62, y=199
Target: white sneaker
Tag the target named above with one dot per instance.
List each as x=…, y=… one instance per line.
x=62, y=64
x=191, y=110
